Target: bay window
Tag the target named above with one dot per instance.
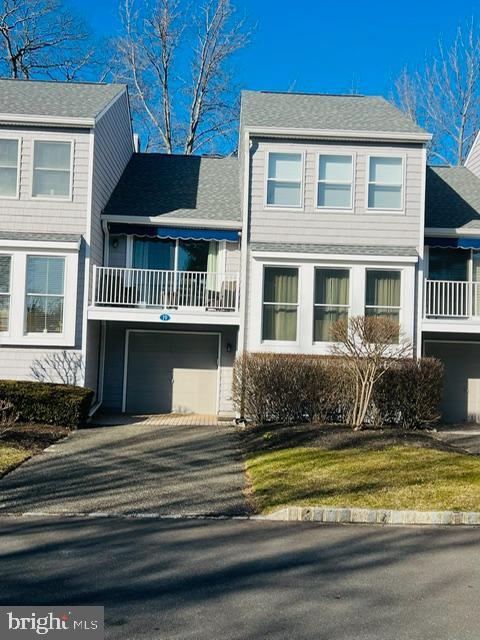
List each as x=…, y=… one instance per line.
x=5, y=270
x=284, y=179
x=45, y=294
x=331, y=302
x=9, y=152
x=385, y=183
x=52, y=173
x=382, y=298
x=335, y=177
x=280, y=303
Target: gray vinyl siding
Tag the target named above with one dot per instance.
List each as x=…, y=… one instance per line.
x=112, y=151
x=117, y=256
x=92, y=354
x=33, y=215
x=312, y=225
x=473, y=162
x=232, y=259
x=16, y=362
x=115, y=354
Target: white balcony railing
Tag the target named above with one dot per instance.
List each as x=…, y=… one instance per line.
x=451, y=299
x=124, y=287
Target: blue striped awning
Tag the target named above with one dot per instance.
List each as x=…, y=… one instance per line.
x=453, y=243
x=173, y=233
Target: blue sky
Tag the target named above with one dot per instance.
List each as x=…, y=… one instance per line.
x=327, y=46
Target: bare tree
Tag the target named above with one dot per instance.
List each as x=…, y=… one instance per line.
x=65, y=366
x=8, y=416
x=444, y=96
x=370, y=346
x=176, y=59
x=42, y=38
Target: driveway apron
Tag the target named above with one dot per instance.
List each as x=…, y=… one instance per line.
x=140, y=467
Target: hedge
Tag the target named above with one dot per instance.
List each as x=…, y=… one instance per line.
x=48, y=403
x=292, y=388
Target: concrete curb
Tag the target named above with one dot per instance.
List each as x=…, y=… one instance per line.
x=333, y=515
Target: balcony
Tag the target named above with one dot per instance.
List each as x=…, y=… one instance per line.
x=183, y=296
x=451, y=305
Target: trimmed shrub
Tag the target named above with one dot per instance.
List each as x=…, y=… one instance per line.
x=48, y=403
x=292, y=388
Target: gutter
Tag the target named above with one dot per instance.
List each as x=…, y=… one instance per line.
x=174, y=222
x=340, y=134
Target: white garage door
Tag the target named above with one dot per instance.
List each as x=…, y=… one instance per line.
x=172, y=372
x=461, y=389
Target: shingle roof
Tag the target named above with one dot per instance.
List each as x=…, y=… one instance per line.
x=176, y=186
x=350, y=249
x=40, y=237
x=55, y=99
x=452, y=198
x=327, y=112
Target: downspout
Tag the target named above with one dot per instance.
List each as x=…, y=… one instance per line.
x=101, y=370
x=244, y=257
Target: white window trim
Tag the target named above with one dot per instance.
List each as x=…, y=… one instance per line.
x=68, y=198
x=281, y=343
x=279, y=207
x=347, y=306
x=5, y=136
x=18, y=308
x=46, y=295
x=352, y=183
x=401, y=209
x=7, y=333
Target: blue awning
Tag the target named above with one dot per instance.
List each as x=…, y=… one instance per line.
x=174, y=233
x=453, y=243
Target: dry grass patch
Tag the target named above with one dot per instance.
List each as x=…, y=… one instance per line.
x=397, y=477
x=11, y=457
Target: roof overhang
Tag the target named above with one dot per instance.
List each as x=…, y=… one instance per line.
x=330, y=134
x=51, y=121
x=451, y=232
x=345, y=257
x=42, y=245
x=161, y=221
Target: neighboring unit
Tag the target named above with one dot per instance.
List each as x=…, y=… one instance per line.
x=156, y=270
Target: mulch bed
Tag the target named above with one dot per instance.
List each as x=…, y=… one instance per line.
x=33, y=436
x=271, y=437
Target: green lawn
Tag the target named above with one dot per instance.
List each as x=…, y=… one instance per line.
x=10, y=457
x=398, y=477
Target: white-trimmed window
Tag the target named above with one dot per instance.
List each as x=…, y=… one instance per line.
x=5, y=285
x=45, y=294
x=280, y=304
x=385, y=183
x=382, y=294
x=9, y=154
x=52, y=169
x=335, y=181
x=284, y=179
x=331, y=301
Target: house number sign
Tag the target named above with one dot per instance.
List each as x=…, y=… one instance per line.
x=165, y=317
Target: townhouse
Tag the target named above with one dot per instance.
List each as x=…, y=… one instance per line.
x=156, y=270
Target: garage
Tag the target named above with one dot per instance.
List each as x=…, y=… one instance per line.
x=171, y=372
x=461, y=388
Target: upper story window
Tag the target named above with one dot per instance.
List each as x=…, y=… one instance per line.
x=385, y=183
x=8, y=168
x=284, y=182
x=331, y=301
x=45, y=294
x=335, y=177
x=280, y=303
x=5, y=269
x=52, y=170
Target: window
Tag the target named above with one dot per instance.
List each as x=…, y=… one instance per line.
x=153, y=253
x=280, y=301
x=385, y=183
x=331, y=301
x=45, y=294
x=5, y=268
x=51, y=169
x=284, y=183
x=383, y=294
x=335, y=174
x=448, y=264
x=8, y=168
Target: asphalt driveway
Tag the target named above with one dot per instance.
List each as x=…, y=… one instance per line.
x=132, y=468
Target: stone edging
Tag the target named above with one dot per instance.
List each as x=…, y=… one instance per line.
x=333, y=515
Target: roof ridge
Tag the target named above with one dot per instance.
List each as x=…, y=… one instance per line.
x=64, y=82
